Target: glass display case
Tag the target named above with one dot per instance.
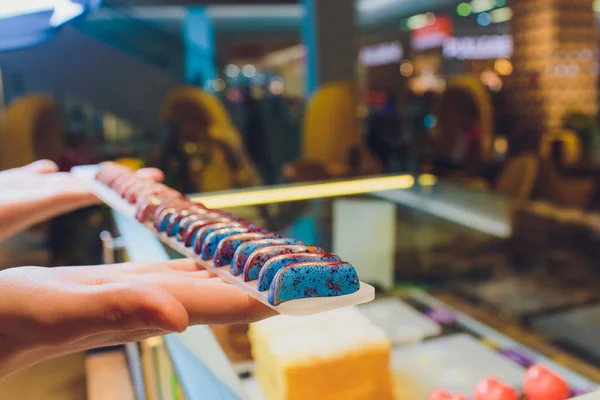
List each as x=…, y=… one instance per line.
x=457, y=295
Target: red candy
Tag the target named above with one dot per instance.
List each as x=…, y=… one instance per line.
x=493, y=389
x=543, y=384
x=443, y=395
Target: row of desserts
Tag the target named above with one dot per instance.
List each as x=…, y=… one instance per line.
x=287, y=268
x=540, y=384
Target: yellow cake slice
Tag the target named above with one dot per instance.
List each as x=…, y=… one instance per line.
x=336, y=355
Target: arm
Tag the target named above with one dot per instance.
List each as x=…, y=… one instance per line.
x=36, y=192
x=48, y=312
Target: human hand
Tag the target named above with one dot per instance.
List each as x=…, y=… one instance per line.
x=37, y=192
x=47, y=312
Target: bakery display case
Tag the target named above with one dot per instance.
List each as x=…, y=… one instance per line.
x=460, y=308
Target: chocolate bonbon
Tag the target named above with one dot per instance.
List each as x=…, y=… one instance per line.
x=214, y=238
x=245, y=251
x=268, y=271
x=260, y=257
x=228, y=246
x=313, y=279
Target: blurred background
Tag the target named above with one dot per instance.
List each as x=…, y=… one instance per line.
x=489, y=106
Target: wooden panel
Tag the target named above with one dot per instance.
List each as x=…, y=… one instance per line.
x=108, y=376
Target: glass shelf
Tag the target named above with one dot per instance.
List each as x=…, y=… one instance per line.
x=443, y=237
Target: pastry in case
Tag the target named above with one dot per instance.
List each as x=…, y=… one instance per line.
x=334, y=355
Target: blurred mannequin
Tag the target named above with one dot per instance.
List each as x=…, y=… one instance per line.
x=457, y=146
x=332, y=143
x=203, y=152
x=384, y=130
x=255, y=137
x=30, y=128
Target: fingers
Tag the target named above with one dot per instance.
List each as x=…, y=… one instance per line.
x=181, y=265
x=116, y=338
x=207, y=299
x=41, y=167
x=210, y=301
x=151, y=173
x=222, y=303
x=123, y=306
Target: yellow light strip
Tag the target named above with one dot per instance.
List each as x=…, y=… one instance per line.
x=427, y=180
x=305, y=192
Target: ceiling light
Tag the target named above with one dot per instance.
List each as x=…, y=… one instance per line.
x=484, y=19
x=406, y=68
x=12, y=8
x=232, y=70
x=503, y=67
x=374, y=5
x=478, y=6
x=249, y=71
x=463, y=9
x=501, y=15
x=418, y=21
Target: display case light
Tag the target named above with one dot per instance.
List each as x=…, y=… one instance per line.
x=310, y=191
x=11, y=8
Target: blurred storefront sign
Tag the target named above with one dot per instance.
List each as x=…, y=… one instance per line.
x=381, y=54
x=434, y=35
x=478, y=47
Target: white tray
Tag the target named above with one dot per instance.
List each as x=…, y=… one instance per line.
x=299, y=307
x=454, y=363
x=403, y=324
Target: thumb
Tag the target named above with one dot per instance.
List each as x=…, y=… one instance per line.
x=41, y=167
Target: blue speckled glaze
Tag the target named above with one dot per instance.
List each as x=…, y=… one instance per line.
x=180, y=227
x=202, y=233
x=185, y=223
x=271, y=267
x=261, y=256
x=161, y=221
x=246, y=249
x=213, y=239
x=313, y=279
x=229, y=245
x=175, y=219
x=191, y=232
x=164, y=222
